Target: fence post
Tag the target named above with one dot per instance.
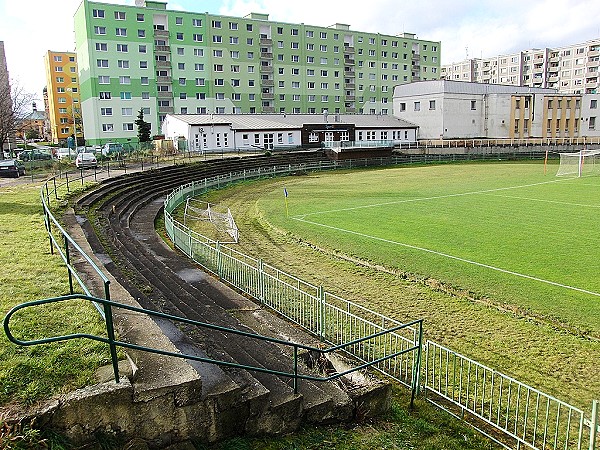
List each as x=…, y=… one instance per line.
x=218, y=248
x=594, y=425
x=68, y=258
x=417, y=367
x=322, y=325
x=110, y=331
x=261, y=281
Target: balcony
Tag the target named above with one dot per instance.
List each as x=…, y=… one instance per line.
x=266, y=41
x=350, y=109
x=348, y=50
x=268, y=109
x=554, y=59
x=165, y=109
x=416, y=56
x=163, y=64
x=267, y=96
x=553, y=79
x=349, y=86
x=164, y=94
x=266, y=69
x=349, y=61
x=162, y=49
x=593, y=53
x=267, y=82
x=266, y=55
x=164, y=80
x=161, y=33
x=350, y=98
x=349, y=72
x=416, y=78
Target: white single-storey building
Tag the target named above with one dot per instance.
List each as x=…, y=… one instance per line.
x=281, y=131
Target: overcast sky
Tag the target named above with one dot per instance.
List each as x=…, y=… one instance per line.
x=479, y=28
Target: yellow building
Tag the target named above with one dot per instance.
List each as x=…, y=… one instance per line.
x=62, y=83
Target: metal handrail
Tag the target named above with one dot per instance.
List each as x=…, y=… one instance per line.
x=113, y=342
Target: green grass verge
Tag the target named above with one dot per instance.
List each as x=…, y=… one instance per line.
x=30, y=272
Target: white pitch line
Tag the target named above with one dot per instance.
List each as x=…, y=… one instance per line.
x=544, y=200
x=437, y=197
x=475, y=263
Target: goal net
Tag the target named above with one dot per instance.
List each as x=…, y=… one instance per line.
x=584, y=162
x=213, y=221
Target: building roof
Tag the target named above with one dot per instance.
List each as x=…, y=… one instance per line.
x=430, y=87
x=292, y=121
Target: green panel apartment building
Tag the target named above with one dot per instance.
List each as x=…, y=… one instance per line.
x=178, y=62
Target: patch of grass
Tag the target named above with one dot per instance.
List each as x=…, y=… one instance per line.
x=31, y=272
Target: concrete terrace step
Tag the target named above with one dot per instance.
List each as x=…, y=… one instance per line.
x=165, y=280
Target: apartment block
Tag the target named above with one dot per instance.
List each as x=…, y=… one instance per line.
x=570, y=70
x=177, y=62
x=446, y=109
x=62, y=88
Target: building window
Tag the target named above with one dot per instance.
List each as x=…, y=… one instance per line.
x=124, y=80
x=102, y=63
x=432, y=105
x=101, y=47
x=119, y=15
x=121, y=31
x=106, y=111
x=123, y=64
x=107, y=127
x=417, y=106
x=197, y=38
x=127, y=111
x=592, y=123
x=178, y=20
x=98, y=13
x=128, y=126
x=122, y=48
x=99, y=30
x=142, y=48
x=140, y=17
x=125, y=95
x=473, y=105
x=197, y=22
x=103, y=79
x=593, y=104
x=104, y=95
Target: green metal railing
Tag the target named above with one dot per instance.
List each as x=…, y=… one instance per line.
x=113, y=343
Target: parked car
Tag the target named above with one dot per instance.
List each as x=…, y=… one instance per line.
x=64, y=152
x=86, y=160
x=112, y=148
x=11, y=168
x=34, y=155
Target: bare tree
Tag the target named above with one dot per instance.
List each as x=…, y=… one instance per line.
x=14, y=107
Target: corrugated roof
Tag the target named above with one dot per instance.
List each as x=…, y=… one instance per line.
x=292, y=121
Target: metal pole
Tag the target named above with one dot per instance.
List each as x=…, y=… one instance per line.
x=295, y=369
x=594, y=424
x=322, y=325
x=68, y=258
x=417, y=367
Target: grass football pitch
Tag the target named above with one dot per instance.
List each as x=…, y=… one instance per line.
x=505, y=232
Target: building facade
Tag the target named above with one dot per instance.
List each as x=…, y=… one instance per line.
x=268, y=131
x=164, y=62
x=570, y=70
x=62, y=89
x=445, y=109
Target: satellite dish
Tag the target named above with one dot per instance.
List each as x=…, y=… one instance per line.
x=140, y=3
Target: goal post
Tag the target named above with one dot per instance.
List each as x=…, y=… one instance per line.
x=222, y=224
x=577, y=164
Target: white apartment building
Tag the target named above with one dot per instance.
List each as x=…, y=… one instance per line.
x=569, y=70
x=446, y=109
